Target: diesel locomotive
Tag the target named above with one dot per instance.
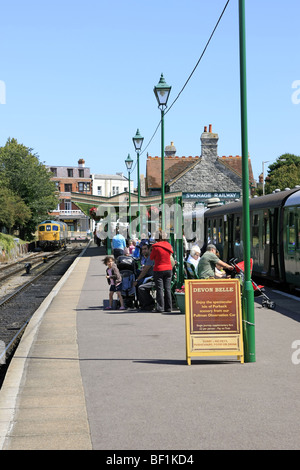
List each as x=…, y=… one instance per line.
x=52, y=234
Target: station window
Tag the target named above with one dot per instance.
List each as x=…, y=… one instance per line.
x=83, y=187
x=68, y=188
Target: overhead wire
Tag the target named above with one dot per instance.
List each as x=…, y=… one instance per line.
x=191, y=74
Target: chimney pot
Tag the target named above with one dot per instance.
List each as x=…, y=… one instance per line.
x=210, y=127
x=205, y=128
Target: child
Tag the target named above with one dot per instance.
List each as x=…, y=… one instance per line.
x=131, y=246
x=114, y=279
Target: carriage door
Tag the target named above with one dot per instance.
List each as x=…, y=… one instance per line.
x=268, y=263
x=293, y=247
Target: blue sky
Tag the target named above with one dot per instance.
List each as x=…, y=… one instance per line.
x=79, y=78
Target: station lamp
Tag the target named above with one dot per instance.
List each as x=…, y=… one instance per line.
x=138, y=142
x=128, y=163
x=162, y=93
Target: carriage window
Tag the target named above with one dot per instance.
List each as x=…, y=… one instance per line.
x=255, y=231
x=208, y=233
x=237, y=237
x=48, y=228
x=55, y=228
x=215, y=233
x=42, y=228
x=291, y=233
x=266, y=232
x=220, y=231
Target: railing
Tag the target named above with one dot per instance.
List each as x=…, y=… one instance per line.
x=71, y=212
x=78, y=235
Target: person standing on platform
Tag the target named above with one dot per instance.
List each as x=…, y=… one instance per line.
x=114, y=280
x=118, y=244
x=162, y=272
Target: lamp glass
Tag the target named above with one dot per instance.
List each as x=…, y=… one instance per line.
x=128, y=163
x=162, y=92
x=138, y=141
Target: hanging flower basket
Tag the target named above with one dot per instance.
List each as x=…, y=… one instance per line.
x=93, y=211
x=152, y=211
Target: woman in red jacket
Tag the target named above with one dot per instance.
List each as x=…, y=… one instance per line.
x=162, y=272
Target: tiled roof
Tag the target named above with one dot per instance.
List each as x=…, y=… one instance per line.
x=173, y=167
x=235, y=164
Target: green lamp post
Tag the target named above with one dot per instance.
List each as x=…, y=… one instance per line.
x=138, y=142
x=128, y=163
x=162, y=93
x=248, y=294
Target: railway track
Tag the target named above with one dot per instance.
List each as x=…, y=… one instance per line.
x=9, y=270
x=17, y=307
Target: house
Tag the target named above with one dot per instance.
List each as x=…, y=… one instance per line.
x=110, y=185
x=71, y=179
x=201, y=177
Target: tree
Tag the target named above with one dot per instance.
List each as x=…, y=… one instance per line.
x=28, y=178
x=284, y=173
x=13, y=210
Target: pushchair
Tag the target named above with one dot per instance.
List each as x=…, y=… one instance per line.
x=127, y=266
x=258, y=289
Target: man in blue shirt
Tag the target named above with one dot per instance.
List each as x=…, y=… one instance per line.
x=118, y=244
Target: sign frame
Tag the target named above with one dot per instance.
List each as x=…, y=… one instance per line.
x=213, y=318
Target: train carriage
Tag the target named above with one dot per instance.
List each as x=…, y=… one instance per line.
x=291, y=241
x=274, y=234
x=52, y=234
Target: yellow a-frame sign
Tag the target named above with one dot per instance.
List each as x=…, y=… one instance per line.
x=213, y=318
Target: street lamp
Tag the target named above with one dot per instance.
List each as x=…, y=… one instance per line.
x=138, y=142
x=263, y=169
x=128, y=163
x=248, y=293
x=162, y=92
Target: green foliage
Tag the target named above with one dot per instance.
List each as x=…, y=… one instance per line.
x=30, y=182
x=6, y=242
x=284, y=173
x=13, y=210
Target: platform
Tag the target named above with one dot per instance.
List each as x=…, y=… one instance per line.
x=83, y=378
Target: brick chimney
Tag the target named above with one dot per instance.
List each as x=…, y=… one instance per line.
x=170, y=150
x=209, y=144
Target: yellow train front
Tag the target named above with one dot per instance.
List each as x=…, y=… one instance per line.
x=52, y=234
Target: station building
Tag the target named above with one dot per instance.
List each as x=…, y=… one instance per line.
x=201, y=177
